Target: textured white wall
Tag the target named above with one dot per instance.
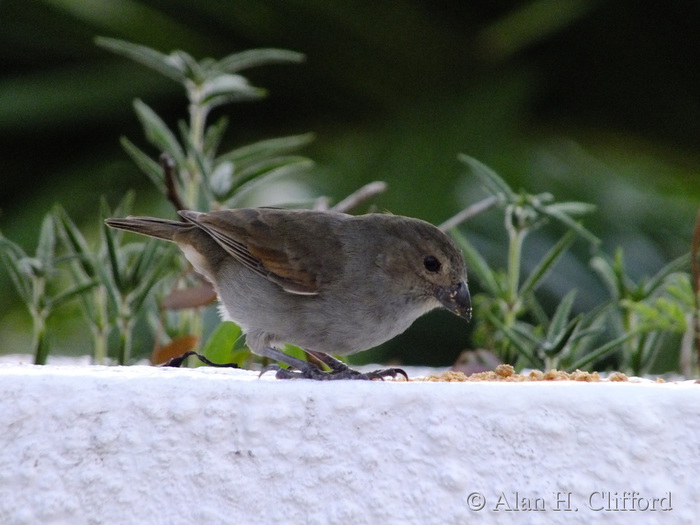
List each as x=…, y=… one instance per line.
x=132, y=445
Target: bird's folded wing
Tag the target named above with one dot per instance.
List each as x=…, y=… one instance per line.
x=281, y=248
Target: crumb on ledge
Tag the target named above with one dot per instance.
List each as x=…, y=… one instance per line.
x=506, y=373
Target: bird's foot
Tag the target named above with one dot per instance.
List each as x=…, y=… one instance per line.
x=299, y=369
x=387, y=372
x=311, y=372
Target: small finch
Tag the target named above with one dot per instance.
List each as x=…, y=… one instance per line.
x=327, y=282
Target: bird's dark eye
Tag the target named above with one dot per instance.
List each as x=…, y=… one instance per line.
x=431, y=264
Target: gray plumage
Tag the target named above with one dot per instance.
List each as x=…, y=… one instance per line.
x=327, y=282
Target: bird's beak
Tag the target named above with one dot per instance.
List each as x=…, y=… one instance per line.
x=456, y=299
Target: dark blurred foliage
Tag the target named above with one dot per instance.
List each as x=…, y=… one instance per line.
x=596, y=101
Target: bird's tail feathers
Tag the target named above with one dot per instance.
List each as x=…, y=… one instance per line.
x=151, y=226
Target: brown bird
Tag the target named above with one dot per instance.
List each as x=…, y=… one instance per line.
x=327, y=282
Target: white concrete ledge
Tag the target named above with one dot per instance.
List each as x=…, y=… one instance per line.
x=133, y=445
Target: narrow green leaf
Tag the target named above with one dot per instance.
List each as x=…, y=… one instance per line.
x=547, y=263
x=192, y=69
x=123, y=208
x=158, y=133
x=653, y=284
x=150, y=167
x=554, y=212
x=526, y=25
x=149, y=278
x=113, y=258
x=534, y=307
x=260, y=167
x=624, y=282
x=89, y=302
x=108, y=285
x=582, y=334
x=68, y=258
x=561, y=315
x=257, y=57
x=651, y=350
x=170, y=66
x=105, y=267
x=562, y=338
x=143, y=261
x=213, y=135
x=289, y=168
x=525, y=332
x=202, y=162
x=11, y=254
x=74, y=241
x=223, y=99
x=520, y=344
x=477, y=265
x=681, y=289
x=604, y=269
x=268, y=148
x=12, y=249
x=76, y=291
x=223, y=89
x=673, y=313
x=660, y=314
x=572, y=207
x=46, y=247
x=489, y=178
x=598, y=316
x=601, y=351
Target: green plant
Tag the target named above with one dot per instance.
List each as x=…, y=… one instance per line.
x=508, y=298
x=191, y=172
x=36, y=280
x=124, y=276
x=115, y=280
x=636, y=320
x=648, y=311
x=120, y=281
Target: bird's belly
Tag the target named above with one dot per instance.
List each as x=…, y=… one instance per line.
x=274, y=317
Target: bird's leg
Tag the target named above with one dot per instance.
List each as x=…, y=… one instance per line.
x=336, y=365
x=305, y=369
x=342, y=371
x=339, y=370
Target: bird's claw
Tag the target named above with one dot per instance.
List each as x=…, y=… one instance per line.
x=387, y=372
x=311, y=372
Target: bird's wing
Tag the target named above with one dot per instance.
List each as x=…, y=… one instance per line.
x=288, y=248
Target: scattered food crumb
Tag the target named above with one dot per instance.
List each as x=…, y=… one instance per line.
x=618, y=376
x=507, y=373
